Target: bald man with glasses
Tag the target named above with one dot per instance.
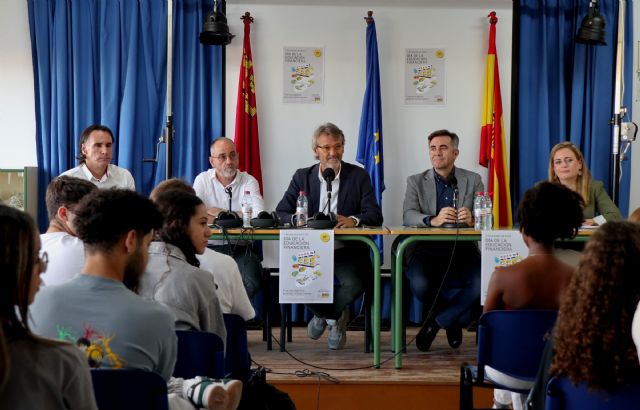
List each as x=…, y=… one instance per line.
x=213, y=187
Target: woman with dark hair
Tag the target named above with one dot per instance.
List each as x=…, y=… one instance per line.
x=567, y=167
x=173, y=277
x=546, y=213
x=34, y=372
x=592, y=341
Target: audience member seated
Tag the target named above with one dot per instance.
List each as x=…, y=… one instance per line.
x=65, y=250
x=115, y=327
x=547, y=212
x=354, y=204
x=635, y=216
x=173, y=277
x=567, y=167
x=96, y=152
x=230, y=289
x=428, y=202
x=221, y=189
x=592, y=341
x=35, y=373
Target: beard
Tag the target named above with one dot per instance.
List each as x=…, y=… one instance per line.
x=134, y=270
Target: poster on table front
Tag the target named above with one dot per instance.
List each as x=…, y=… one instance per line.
x=499, y=248
x=303, y=75
x=424, y=82
x=306, y=266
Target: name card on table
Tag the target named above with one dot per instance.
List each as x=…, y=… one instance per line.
x=499, y=248
x=306, y=266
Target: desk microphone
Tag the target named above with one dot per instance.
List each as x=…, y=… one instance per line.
x=453, y=181
x=329, y=175
x=228, y=191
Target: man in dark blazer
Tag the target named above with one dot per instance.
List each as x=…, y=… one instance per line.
x=354, y=204
x=428, y=202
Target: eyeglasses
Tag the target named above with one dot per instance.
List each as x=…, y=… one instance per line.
x=567, y=161
x=223, y=157
x=327, y=148
x=43, y=260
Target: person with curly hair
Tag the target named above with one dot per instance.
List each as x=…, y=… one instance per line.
x=547, y=212
x=34, y=372
x=567, y=167
x=173, y=276
x=592, y=341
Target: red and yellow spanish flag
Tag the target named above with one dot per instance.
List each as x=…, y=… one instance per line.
x=246, y=137
x=492, y=147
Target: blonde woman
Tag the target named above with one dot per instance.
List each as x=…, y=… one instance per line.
x=567, y=167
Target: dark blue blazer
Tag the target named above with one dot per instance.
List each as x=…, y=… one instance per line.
x=355, y=198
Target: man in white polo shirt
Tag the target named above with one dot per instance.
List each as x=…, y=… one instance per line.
x=96, y=152
x=65, y=249
x=213, y=187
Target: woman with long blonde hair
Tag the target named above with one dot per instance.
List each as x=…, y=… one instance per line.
x=567, y=167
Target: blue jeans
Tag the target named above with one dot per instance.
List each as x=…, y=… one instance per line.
x=460, y=292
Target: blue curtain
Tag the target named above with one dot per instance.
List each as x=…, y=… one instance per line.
x=97, y=62
x=104, y=61
x=197, y=92
x=566, y=89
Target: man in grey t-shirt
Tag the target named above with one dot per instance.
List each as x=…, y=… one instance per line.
x=99, y=312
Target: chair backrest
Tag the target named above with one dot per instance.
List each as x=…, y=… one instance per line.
x=512, y=341
x=129, y=389
x=562, y=394
x=237, y=360
x=199, y=354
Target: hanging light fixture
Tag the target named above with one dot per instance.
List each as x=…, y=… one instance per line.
x=592, y=28
x=215, y=30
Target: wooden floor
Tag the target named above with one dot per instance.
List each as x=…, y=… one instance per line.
x=428, y=380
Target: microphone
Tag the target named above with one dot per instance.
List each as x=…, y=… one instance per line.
x=228, y=191
x=329, y=175
x=453, y=181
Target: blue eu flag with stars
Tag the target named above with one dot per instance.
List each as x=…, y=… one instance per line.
x=370, y=135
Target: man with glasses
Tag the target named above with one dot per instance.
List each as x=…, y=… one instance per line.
x=354, y=204
x=215, y=186
x=60, y=241
x=448, y=283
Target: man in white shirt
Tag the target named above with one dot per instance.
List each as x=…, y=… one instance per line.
x=65, y=249
x=214, y=187
x=96, y=152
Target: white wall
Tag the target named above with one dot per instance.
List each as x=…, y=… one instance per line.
x=285, y=129
x=17, y=115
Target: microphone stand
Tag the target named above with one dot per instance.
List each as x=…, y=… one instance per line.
x=228, y=191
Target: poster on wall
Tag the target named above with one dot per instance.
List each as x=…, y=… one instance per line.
x=306, y=266
x=424, y=82
x=303, y=75
x=499, y=248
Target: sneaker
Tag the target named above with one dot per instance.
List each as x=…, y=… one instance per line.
x=338, y=331
x=316, y=327
x=214, y=394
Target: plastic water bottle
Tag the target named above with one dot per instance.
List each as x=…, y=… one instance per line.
x=302, y=210
x=478, y=211
x=247, y=209
x=488, y=212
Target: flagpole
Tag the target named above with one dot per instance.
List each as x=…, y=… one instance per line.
x=619, y=111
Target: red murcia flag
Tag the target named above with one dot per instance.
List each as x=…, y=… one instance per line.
x=246, y=137
x=492, y=147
